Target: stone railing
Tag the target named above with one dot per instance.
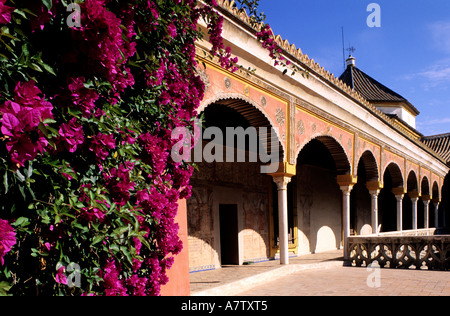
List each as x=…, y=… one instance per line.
x=407, y=233
x=408, y=252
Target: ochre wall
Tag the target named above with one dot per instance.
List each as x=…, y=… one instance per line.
x=179, y=273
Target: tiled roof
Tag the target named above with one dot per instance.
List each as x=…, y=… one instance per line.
x=440, y=144
x=371, y=89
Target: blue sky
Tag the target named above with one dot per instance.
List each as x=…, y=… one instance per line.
x=409, y=53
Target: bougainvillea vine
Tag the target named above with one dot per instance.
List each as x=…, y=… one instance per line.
x=87, y=111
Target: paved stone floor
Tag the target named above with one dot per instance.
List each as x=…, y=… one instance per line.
x=349, y=281
x=238, y=276
x=317, y=275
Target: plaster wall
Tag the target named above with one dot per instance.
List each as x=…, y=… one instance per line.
x=319, y=210
x=219, y=184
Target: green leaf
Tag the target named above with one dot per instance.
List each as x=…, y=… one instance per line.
x=47, y=68
x=97, y=239
x=21, y=222
x=48, y=4
x=5, y=182
x=4, y=288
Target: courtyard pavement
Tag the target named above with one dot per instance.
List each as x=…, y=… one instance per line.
x=317, y=275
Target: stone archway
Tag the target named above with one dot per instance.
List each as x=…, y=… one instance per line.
x=319, y=198
x=367, y=188
x=423, y=207
x=391, y=199
x=410, y=202
x=230, y=186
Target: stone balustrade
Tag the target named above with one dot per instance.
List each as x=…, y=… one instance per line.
x=407, y=252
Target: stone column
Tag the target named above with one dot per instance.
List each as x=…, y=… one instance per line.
x=282, y=182
x=346, y=190
x=374, y=188
x=374, y=198
x=399, y=198
x=399, y=194
x=426, y=211
x=346, y=183
x=436, y=213
x=414, y=196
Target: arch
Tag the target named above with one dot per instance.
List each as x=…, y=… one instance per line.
x=360, y=200
x=396, y=175
x=435, y=192
x=370, y=165
x=251, y=111
x=343, y=166
x=319, y=198
x=425, y=186
x=412, y=183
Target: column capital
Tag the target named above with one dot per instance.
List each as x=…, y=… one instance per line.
x=346, y=180
x=399, y=191
x=285, y=169
x=346, y=189
x=414, y=194
x=281, y=181
x=426, y=197
x=374, y=185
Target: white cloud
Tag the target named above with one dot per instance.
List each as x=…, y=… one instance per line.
x=440, y=31
x=435, y=75
x=431, y=126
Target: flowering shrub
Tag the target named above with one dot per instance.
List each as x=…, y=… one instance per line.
x=87, y=112
x=86, y=118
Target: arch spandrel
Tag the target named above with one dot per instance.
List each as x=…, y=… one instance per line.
x=425, y=186
x=389, y=158
x=435, y=179
x=413, y=167
x=337, y=152
x=412, y=182
x=371, y=164
x=435, y=191
x=362, y=147
x=222, y=85
x=398, y=180
x=308, y=127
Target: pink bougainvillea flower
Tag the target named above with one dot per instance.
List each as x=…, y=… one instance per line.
x=93, y=214
x=71, y=135
x=5, y=12
x=138, y=285
x=118, y=183
x=20, y=122
x=81, y=97
x=111, y=282
x=154, y=152
x=172, y=30
x=104, y=42
x=7, y=239
x=100, y=145
x=60, y=276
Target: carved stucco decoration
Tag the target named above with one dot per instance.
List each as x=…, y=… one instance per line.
x=281, y=117
x=301, y=127
x=263, y=101
x=228, y=83
x=205, y=78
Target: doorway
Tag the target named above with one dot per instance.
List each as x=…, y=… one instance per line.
x=229, y=244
